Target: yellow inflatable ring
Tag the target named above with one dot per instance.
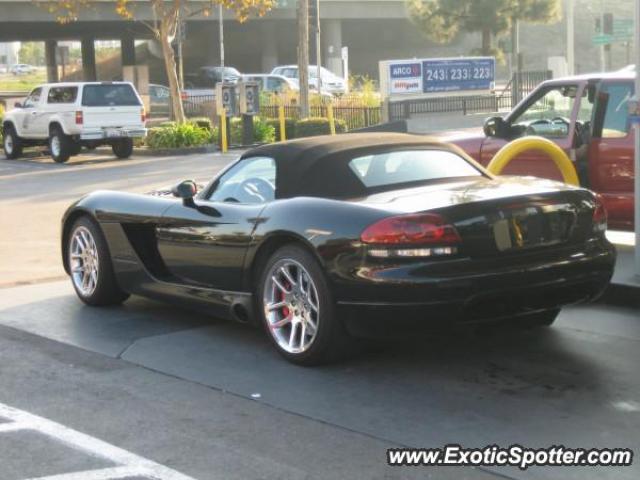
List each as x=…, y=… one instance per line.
x=515, y=148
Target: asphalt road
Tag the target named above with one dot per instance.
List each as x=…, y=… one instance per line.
x=35, y=192
x=146, y=390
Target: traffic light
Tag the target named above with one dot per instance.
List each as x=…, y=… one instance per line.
x=607, y=23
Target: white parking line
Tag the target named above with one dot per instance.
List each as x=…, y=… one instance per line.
x=129, y=464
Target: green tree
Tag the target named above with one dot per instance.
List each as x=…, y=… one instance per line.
x=442, y=20
x=32, y=53
x=166, y=14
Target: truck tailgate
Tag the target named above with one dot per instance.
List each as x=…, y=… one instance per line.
x=121, y=116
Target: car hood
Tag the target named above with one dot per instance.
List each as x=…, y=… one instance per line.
x=470, y=139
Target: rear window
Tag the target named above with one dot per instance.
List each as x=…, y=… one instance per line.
x=109, y=96
x=408, y=166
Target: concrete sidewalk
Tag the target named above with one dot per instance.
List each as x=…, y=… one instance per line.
x=625, y=284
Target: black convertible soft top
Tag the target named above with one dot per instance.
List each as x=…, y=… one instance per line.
x=318, y=166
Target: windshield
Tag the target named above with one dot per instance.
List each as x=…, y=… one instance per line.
x=109, y=95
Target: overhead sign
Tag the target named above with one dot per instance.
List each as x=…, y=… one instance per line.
x=622, y=31
x=437, y=75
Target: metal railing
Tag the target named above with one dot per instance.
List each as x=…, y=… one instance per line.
x=353, y=116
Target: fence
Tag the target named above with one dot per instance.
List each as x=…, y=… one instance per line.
x=354, y=116
x=352, y=110
x=520, y=85
x=360, y=112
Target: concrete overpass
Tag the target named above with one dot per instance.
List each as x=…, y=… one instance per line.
x=373, y=30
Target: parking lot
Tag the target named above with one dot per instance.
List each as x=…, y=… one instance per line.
x=150, y=391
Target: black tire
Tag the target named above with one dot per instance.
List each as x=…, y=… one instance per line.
x=106, y=291
x=11, y=143
x=122, y=148
x=331, y=341
x=64, y=150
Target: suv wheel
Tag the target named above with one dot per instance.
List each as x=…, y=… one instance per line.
x=12, y=143
x=60, y=145
x=123, y=148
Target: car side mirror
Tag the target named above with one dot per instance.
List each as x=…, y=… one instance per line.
x=17, y=105
x=496, y=127
x=186, y=190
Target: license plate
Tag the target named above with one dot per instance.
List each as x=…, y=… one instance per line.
x=115, y=133
x=532, y=227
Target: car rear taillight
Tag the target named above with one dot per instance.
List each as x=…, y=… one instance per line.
x=79, y=117
x=183, y=95
x=143, y=115
x=599, y=216
x=422, y=229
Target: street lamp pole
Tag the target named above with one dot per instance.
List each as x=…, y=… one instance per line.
x=571, y=37
x=221, y=29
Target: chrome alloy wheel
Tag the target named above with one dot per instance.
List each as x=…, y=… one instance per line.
x=83, y=261
x=8, y=144
x=291, y=306
x=55, y=145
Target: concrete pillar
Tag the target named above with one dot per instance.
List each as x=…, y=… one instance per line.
x=269, y=44
x=128, y=50
x=89, y=72
x=50, y=59
x=332, y=45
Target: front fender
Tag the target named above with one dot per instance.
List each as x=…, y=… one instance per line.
x=113, y=207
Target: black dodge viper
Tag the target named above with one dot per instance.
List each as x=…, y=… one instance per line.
x=324, y=239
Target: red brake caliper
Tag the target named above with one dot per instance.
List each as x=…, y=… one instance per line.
x=285, y=310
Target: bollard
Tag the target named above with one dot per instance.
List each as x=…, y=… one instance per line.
x=247, y=130
x=223, y=130
x=332, y=122
x=283, y=124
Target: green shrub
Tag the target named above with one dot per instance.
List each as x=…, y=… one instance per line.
x=263, y=132
x=308, y=127
x=289, y=127
x=202, y=122
x=178, y=136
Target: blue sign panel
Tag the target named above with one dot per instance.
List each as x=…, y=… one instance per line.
x=450, y=75
x=405, y=70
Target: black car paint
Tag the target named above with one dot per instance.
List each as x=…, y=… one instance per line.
x=206, y=256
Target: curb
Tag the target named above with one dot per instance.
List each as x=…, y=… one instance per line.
x=167, y=152
x=621, y=295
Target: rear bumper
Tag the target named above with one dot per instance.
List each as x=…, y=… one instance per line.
x=112, y=133
x=468, y=291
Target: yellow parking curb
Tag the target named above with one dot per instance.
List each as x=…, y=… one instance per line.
x=515, y=148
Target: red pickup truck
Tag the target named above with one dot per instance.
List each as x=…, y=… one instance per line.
x=587, y=117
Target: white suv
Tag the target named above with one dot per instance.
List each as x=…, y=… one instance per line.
x=68, y=116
